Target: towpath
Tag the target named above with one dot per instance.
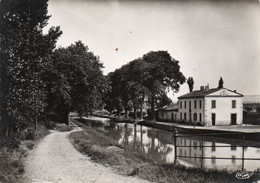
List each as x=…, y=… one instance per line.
x=55, y=160
x=232, y=128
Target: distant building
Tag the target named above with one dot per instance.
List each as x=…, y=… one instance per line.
x=211, y=107
x=169, y=113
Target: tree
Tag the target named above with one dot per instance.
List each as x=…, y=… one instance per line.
x=190, y=83
x=137, y=93
x=220, y=83
x=161, y=73
x=163, y=100
x=126, y=83
x=23, y=49
x=75, y=81
x=150, y=76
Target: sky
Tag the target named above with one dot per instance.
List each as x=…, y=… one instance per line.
x=210, y=39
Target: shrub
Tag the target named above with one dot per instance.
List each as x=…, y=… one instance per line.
x=63, y=127
x=50, y=125
x=30, y=134
x=11, y=166
x=10, y=143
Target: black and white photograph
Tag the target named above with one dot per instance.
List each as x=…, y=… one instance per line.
x=129, y=91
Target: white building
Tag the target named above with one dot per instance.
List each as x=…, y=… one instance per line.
x=211, y=107
x=169, y=113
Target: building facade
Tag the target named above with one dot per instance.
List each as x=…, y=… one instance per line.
x=211, y=107
x=169, y=113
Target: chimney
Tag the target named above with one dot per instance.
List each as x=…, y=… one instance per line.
x=207, y=87
x=235, y=91
x=202, y=88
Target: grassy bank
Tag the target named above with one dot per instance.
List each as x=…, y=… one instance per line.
x=13, y=151
x=131, y=162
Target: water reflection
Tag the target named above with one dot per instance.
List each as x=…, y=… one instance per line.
x=205, y=152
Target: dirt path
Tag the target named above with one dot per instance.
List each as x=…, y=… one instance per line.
x=56, y=160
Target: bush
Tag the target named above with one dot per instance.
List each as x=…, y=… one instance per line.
x=11, y=166
x=50, y=125
x=63, y=127
x=10, y=143
x=30, y=134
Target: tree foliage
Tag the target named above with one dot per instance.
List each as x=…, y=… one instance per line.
x=149, y=76
x=75, y=80
x=190, y=82
x=23, y=49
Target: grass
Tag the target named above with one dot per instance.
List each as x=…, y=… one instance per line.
x=63, y=127
x=132, y=162
x=13, y=152
x=11, y=166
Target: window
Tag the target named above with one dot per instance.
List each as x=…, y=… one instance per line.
x=195, y=104
x=180, y=104
x=189, y=104
x=185, y=116
x=195, y=145
x=181, y=116
x=200, y=104
x=200, y=117
x=180, y=152
x=184, y=104
x=233, y=159
x=213, y=103
x=213, y=146
x=213, y=160
x=195, y=116
x=233, y=147
x=233, y=104
x=200, y=145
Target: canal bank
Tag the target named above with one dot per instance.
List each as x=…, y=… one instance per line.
x=156, y=149
x=238, y=131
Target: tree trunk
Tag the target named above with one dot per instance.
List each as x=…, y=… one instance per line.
x=126, y=115
x=6, y=122
x=6, y=131
x=36, y=123
x=118, y=111
x=135, y=112
x=141, y=109
x=141, y=112
x=11, y=130
x=152, y=109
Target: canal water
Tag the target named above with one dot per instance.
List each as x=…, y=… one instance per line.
x=194, y=151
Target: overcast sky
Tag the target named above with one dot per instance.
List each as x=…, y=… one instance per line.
x=209, y=39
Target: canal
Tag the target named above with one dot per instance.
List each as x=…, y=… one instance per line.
x=210, y=152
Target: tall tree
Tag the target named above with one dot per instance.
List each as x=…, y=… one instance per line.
x=152, y=76
x=190, y=82
x=220, y=83
x=23, y=49
x=161, y=73
x=75, y=81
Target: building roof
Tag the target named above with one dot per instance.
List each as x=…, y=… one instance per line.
x=172, y=107
x=203, y=93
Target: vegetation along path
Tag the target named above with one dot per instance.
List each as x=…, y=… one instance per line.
x=56, y=160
